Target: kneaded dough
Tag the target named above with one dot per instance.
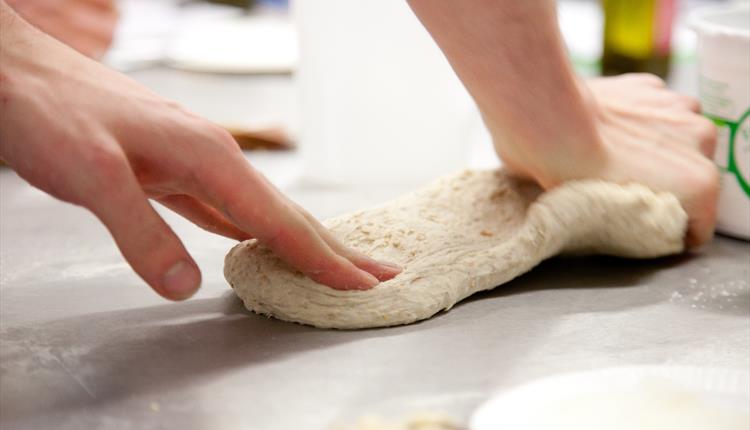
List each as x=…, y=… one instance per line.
x=465, y=233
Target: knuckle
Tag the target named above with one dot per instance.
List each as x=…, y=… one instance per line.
x=215, y=144
x=702, y=210
x=177, y=107
x=221, y=138
x=654, y=80
x=708, y=147
x=649, y=78
x=707, y=177
x=706, y=130
x=237, y=208
x=275, y=239
x=109, y=164
x=692, y=103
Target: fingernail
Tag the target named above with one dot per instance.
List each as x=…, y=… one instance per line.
x=181, y=280
x=389, y=265
x=370, y=280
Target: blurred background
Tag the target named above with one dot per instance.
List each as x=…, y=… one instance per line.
x=337, y=92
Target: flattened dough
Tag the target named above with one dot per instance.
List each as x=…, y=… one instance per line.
x=464, y=233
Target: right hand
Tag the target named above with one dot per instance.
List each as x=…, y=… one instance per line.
x=643, y=132
x=550, y=126
x=90, y=136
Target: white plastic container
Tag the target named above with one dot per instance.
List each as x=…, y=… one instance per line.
x=724, y=80
x=379, y=103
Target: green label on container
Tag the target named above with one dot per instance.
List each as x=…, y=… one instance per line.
x=735, y=158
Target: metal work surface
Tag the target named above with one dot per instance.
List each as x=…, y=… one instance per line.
x=85, y=344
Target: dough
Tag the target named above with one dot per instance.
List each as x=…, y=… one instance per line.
x=465, y=233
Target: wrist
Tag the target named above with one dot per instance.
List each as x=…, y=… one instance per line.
x=555, y=142
x=16, y=78
x=15, y=43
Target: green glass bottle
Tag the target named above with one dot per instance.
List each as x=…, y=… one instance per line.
x=637, y=36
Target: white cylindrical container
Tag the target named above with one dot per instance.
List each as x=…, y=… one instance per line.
x=724, y=80
x=379, y=103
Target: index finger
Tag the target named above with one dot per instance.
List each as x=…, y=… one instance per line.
x=245, y=198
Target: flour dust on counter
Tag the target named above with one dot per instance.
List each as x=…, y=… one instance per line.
x=418, y=421
x=465, y=233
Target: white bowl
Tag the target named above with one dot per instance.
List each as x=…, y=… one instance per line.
x=639, y=397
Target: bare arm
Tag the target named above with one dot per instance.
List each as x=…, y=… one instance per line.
x=510, y=56
x=549, y=125
x=90, y=136
x=87, y=26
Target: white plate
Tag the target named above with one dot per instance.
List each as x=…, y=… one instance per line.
x=638, y=398
x=243, y=44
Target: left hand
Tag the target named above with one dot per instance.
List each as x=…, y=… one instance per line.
x=92, y=137
x=87, y=26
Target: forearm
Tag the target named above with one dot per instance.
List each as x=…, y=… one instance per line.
x=24, y=50
x=511, y=58
x=10, y=27
x=21, y=71
x=85, y=25
x=11, y=71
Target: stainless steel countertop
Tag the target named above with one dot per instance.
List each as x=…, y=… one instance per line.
x=85, y=344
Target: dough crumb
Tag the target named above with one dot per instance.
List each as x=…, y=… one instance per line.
x=418, y=421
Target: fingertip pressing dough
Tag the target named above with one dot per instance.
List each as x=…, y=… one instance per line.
x=465, y=233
